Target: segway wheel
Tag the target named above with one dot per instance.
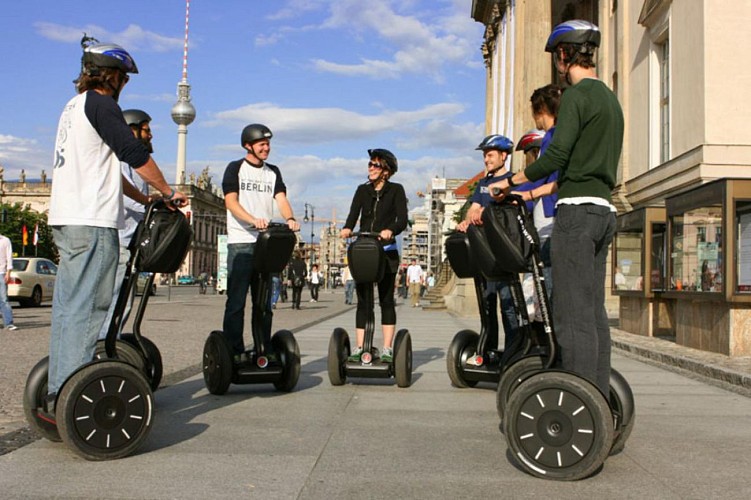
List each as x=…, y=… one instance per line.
x=512, y=376
x=126, y=352
x=339, y=350
x=154, y=369
x=285, y=345
x=34, y=396
x=558, y=426
x=217, y=364
x=463, y=345
x=403, y=358
x=105, y=410
x=623, y=407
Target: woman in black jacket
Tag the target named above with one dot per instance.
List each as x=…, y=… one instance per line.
x=381, y=206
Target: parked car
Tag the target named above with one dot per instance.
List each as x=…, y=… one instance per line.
x=32, y=281
x=141, y=283
x=186, y=280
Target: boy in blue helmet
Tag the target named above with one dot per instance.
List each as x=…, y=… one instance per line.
x=495, y=150
x=585, y=150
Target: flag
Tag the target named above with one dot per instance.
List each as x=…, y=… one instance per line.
x=36, y=234
x=25, y=235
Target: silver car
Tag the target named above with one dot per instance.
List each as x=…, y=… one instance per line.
x=32, y=281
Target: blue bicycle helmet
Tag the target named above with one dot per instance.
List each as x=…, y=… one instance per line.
x=576, y=32
x=109, y=55
x=496, y=141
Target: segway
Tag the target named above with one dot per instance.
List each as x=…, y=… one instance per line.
x=557, y=424
x=104, y=410
x=367, y=263
x=470, y=256
x=271, y=254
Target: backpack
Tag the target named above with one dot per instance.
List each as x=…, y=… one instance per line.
x=161, y=240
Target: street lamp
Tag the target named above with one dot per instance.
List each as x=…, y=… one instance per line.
x=312, y=220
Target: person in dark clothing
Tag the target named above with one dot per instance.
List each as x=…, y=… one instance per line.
x=381, y=206
x=585, y=151
x=296, y=273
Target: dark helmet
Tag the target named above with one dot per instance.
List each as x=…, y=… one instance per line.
x=575, y=32
x=495, y=141
x=108, y=55
x=387, y=156
x=135, y=117
x=255, y=132
x=532, y=139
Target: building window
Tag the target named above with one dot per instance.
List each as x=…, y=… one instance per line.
x=664, y=63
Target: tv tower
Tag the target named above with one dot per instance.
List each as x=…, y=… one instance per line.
x=183, y=112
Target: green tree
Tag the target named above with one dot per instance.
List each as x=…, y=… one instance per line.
x=461, y=214
x=14, y=217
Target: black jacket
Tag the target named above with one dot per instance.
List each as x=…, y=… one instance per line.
x=296, y=268
x=378, y=210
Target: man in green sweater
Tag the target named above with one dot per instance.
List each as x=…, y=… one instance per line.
x=585, y=150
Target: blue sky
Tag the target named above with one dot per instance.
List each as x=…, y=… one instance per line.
x=331, y=78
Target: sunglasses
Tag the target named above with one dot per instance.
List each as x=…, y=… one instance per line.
x=372, y=164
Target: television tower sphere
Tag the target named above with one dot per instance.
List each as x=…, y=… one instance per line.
x=183, y=112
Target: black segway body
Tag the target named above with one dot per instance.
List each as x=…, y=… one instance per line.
x=104, y=409
x=273, y=250
x=367, y=262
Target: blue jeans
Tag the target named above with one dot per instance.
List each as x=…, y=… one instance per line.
x=349, y=291
x=4, y=306
x=122, y=263
x=83, y=293
x=580, y=241
x=508, y=314
x=276, y=288
x=241, y=277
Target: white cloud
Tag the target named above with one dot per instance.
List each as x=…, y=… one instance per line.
x=17, y=153
x=421, y=47
x=133, y=37
x=315, y=125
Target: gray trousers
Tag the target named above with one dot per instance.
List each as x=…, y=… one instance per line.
x=580, y=241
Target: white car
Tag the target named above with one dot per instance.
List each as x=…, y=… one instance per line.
x=32, y=281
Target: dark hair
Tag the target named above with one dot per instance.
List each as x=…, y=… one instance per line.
x=546, y=99
x=579, y=54
x=93, y=77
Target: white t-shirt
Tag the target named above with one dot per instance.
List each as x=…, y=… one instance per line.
x=256, y=188
x=414, y=273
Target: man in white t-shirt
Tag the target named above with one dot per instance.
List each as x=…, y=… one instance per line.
x=414, y=280
x=251, y=186
x=86, y=206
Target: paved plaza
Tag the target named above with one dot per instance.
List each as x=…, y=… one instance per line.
x=368, y=438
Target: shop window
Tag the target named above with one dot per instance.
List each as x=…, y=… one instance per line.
x=696, y=249
x=639, y=252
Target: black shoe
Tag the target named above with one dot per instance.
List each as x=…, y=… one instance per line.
x=47, y=411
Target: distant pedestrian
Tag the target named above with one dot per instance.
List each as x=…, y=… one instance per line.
x=414, y=278
x=315, y=279
x=296, y=273
x=6, y=264
x=349, y=285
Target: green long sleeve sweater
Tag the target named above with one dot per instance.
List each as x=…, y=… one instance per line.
x=587, y=142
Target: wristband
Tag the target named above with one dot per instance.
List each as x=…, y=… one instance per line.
x=171, y=194
x=511, y=182
x=291, y=219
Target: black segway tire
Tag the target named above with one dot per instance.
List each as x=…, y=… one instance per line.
x=34, y=396
x=339, y=351
x=105, y=410
x=512, y=376
x=623, y=407
x=403, y=358
x=155, y=368
x=126, y=352
x=285, y=345
x=217, y=364
x=558, y=426
x=463, y=345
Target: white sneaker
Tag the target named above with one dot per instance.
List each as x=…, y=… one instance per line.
x=11, y=328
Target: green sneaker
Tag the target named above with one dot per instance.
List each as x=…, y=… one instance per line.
x=356, y=355
x=387, y=355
